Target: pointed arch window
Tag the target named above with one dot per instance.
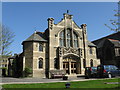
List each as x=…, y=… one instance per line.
x=68, y=39
x=91, y=51
x=55, y=63
x=84, y=63
x=75, y=40
x=62, y=38
x=40, y=63
x=91, y=63
x=40, y=47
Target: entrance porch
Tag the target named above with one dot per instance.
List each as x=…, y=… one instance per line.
x=71, y=64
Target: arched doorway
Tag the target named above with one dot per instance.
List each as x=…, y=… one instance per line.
x=71, y=64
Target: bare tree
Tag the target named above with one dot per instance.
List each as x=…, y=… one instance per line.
x=115, y=23
x=6, y=38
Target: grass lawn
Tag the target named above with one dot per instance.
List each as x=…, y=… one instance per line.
x=78, y=84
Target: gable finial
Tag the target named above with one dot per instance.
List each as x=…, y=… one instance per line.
x=35, y=30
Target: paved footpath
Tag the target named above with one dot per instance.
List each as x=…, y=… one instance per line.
x=9, y=80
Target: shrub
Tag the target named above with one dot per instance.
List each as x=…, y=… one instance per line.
x=27, y=72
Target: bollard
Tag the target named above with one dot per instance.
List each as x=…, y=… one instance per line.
x=67, y=85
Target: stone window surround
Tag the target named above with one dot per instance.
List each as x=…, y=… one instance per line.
x=41, y=49
x=39, y=63
x=55, y=63
x=65, y=38
x=91, y=50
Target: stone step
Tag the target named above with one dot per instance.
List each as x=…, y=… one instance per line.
x=72, y=76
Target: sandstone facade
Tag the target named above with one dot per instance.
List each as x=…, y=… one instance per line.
x=62, y=46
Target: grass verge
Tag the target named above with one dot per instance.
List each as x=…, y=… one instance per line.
x=78, y=84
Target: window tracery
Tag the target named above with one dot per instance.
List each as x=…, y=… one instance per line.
x=71, y=40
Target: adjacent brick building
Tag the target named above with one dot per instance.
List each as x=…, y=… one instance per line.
x=108, y=49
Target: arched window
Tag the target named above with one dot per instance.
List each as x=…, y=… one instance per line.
x=40, y=63
x=84, y=63
x=91, y=51
x=55, y=63
x=62, y=38
x=91, y=63
x=68, y=39
x=75, y=40
x=40, y=47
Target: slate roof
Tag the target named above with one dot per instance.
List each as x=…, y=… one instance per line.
x=37, y=36
x=115, y=42
x=91, y=44
x=101, y=44
x=115, y=36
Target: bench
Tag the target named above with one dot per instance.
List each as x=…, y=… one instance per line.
x=57, y=76
x=57, y=73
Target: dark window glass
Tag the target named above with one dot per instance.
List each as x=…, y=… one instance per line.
x=67, y=65
x=71, y=65
x=69, y=38
x=91, y=63
x=40, y=63
x=63, y=65
x=75, y=37
x=91, y=52
x=41, y=47
x=74, y=65
x=55, y=63
x=84, y=63
x=62, y=39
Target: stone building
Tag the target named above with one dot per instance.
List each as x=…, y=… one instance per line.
x=108, y=49
x=15, y=65
x=4, y=64
x=61, y=47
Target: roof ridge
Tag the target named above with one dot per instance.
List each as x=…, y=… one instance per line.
x=113, y=39
x=106, y=36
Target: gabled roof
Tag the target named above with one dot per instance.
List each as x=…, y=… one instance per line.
x=115, y=36
x=115, y=42
x=101, y=44
x=62, y=23
x=37, y=36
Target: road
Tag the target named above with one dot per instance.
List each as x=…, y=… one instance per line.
x=10, y=80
